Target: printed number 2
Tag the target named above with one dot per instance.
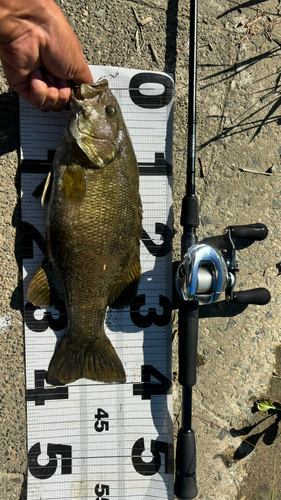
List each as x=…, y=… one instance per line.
x=159, y=250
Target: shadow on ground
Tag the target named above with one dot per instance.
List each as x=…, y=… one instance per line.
x=261, y=437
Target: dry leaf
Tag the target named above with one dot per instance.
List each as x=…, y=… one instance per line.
x=146, y=20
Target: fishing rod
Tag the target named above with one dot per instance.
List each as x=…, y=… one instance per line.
x=202, y=275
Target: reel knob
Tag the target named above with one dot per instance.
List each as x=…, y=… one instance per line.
x=258, y=296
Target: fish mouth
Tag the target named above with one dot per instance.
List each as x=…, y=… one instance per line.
x=88, y=90
x=99, y=147
x=82, y=93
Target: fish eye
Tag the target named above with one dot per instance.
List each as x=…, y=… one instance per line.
x=110, y=110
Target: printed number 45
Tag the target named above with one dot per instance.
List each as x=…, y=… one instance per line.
x=101, y=425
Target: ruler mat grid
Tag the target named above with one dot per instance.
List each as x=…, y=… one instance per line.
x=90, y=440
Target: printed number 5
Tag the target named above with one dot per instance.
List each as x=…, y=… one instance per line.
x=48, y=470
x=150, y=468
x=100, y=490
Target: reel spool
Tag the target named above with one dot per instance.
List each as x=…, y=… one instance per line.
x=206, y=272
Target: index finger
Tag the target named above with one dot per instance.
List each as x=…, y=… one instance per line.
x=83, y=74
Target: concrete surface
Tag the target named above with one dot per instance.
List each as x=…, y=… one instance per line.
x=238, y=127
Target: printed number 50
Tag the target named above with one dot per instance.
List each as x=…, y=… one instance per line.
x=100, y=490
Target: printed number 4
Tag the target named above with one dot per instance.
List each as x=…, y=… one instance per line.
x=147, y=387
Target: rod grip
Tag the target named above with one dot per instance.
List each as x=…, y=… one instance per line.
x=185, y=483
x=188, y=337
x=259, y=296
x=256, y=231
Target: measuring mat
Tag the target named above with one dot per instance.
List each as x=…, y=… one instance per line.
x=89, y=440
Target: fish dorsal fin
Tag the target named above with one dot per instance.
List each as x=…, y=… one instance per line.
x=127, y=288
x=73, y=183
x=42, y=290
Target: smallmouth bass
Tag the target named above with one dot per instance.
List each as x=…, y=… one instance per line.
x=93, y=235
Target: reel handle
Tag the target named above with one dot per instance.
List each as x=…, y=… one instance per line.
x=257, y=232
x=259, y=296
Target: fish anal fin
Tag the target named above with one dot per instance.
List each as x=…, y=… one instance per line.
x=42, y=290
x=97, y=361
x=73, y=183
x=128, y=288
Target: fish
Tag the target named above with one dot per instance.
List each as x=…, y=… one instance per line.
x=93, y=233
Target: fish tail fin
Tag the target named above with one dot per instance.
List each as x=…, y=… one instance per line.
x=96, y=361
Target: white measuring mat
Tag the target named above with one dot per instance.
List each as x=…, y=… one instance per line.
x=89, y=440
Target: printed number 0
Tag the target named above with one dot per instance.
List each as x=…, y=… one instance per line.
x=151, y=101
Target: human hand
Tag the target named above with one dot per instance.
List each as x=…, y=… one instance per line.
x=40, y=53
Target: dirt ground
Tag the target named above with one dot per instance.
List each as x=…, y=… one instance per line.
x=238, y=118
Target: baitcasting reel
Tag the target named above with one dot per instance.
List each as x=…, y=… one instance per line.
x=205, y=272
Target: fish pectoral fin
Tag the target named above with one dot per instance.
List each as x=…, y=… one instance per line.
x=44, y=189
x=128, y=288
x=97, y=361
x=42, y=290
x=73, y=183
